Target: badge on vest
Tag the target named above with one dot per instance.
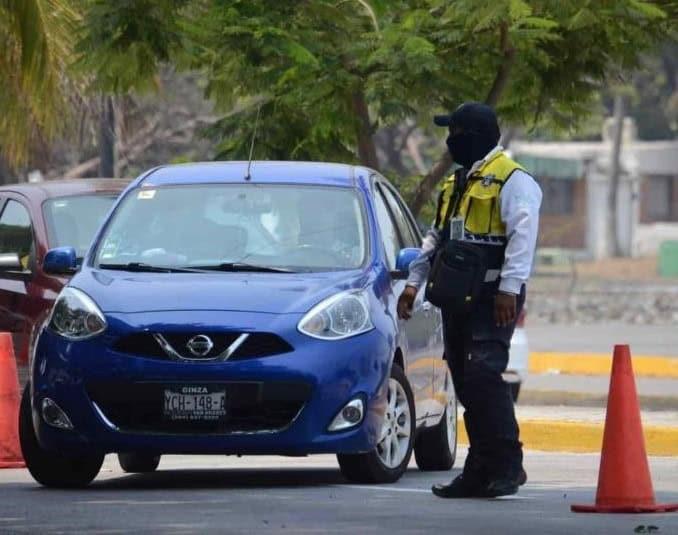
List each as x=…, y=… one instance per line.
x=456, y=228
x=487, y=180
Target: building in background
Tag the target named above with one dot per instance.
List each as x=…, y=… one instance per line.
x=575, y=180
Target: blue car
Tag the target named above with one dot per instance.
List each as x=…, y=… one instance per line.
x=222, y=310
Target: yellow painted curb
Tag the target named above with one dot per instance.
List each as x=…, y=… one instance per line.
x=582, y=437
x=601, y=364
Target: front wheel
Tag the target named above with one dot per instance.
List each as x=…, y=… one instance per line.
x=436, y=447
x=389, y=460
x=138, y=463
x=49, y=468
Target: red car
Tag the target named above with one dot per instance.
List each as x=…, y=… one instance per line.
x=33, y=219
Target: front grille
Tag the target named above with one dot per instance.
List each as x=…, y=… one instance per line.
x=250, y=407
x=255, y=345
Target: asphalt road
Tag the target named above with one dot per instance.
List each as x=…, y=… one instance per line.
x=601, y=337
x=308, y=495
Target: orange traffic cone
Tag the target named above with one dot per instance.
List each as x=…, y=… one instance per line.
x=10, y=452
x=624, y=483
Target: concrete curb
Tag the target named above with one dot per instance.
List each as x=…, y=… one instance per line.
x=586, y=399
x=600, y=364
x=582, y=437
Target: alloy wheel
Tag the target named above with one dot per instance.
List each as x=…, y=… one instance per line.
x=394, y=441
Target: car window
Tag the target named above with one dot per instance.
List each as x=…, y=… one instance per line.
x=295, y=227
x=410, y=238
x=72, y=221
x=16, y=234
x=389, y=233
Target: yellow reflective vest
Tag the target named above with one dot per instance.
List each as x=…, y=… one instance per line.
x=479, y=205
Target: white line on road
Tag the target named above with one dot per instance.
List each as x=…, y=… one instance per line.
x=419, y=491
x=374, y=487
x=149, y=502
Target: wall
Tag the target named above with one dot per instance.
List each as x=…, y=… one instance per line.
x=648, y=237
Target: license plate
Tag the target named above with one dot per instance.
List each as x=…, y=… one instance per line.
x=201, y=403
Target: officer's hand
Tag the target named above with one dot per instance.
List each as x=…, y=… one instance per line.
x=504, y=309
x=406, y=301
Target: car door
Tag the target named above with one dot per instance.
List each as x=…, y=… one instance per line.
x=415, y=330
x=16, y=237
x=434, y=327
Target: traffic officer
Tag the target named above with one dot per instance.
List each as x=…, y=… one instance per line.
x=493, y=202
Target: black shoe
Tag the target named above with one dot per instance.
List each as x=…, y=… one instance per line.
x=460, y=487
x=500, y=487
x=522, y=477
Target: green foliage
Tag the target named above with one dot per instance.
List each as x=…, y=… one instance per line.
x=310, y=66
x=653, y=101
x=123, y=43
x=36, y=39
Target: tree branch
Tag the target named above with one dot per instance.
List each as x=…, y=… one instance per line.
x=367, y=151
x=413, y=149
x=504, y=71
x=423, y=192
x=406, y=136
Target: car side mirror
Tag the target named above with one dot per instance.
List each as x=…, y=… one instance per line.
x=10, y=262
x=60, y=261
x=405, y=258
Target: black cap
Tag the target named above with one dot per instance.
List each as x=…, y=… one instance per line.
x=473, y=116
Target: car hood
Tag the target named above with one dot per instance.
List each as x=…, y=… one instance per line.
x=279, y=293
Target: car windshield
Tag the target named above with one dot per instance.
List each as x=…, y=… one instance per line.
x=239, y=227
x=72, y=221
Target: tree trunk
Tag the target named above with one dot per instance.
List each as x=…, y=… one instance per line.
x=5, y=173
x=108, y=157
x=442, y=166
x=618, y=127
x=367, y=151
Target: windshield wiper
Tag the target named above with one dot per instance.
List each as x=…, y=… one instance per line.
x=241, y=266
x=141, y=267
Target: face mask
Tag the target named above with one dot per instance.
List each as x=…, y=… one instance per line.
x=467, y=148
x=461, y=148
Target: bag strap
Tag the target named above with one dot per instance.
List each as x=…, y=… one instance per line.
x=460, y=182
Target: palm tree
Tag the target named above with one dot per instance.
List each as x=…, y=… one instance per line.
x=36, y=39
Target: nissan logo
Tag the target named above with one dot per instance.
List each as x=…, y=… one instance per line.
x=200, y=345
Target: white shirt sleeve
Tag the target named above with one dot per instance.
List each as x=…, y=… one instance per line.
x=419, y=268
x=520, y=200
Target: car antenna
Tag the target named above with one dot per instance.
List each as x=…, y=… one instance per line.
x=248, y=176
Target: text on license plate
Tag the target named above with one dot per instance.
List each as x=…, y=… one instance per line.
x=180, y=405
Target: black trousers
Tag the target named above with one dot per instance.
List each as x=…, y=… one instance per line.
x=477, y=353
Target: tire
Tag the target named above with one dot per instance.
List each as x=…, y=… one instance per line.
x=374, y=467
x=515, y=391
x=436, y=447
x=138, y=463
x=50, y=468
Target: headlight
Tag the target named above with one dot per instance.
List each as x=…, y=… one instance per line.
x=75, y=316
x=341, y=316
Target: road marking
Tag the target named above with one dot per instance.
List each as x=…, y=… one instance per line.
x=601, y=364
x=150, y=502
x=422, y=491
x=376, y=487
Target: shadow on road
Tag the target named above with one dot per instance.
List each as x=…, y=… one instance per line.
x=223, y=478
x=240, y=478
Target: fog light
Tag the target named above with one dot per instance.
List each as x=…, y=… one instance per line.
x=350, y=416
x=54, y=415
